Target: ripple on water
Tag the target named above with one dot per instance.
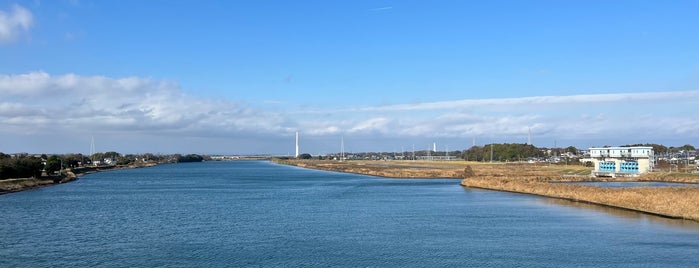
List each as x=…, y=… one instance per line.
x=259, y=214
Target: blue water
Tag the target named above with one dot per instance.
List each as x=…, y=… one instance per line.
x=631, y=184
x=232, y=214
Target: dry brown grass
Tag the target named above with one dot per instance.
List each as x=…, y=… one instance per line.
x=21, y=184
x=14, y=185
x=440, y=169
x=538, y=179
x=671, y=177
x=676, y=202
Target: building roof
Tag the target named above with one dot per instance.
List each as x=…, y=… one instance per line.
x=620, y=148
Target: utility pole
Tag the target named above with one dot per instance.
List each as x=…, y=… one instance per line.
x=491, y=153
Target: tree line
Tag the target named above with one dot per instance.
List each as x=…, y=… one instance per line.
x=502, y=152
x=29, y=166
x=20, y=166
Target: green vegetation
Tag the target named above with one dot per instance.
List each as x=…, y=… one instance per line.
x=189, y=158
x=502, y=152
x=20, y=166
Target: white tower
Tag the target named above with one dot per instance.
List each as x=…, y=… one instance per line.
x=92, y=145
x=92, y=150
x=342, y=148
x=297, y=144
x=434, y=147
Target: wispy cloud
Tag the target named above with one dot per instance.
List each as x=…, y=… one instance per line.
x=541, y=100
x=381, y=8
x=14, y=22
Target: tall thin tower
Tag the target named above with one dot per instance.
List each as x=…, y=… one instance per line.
x=342, y=148
x=92, y=149
x=92, y=145
x=297, y=144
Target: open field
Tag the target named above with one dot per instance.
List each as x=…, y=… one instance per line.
x=537, y=179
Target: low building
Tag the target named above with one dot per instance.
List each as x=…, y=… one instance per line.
x=622, y=161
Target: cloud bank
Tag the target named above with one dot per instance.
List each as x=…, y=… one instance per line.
x=14, y=22
x=38, y=101
x=149, y=110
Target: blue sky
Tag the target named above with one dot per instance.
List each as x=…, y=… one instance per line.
x=240, y=77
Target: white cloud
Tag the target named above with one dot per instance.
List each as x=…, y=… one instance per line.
x=378, y=124
x=540, y=100
x=12, y=23
x=74, y=105
x=97, y=103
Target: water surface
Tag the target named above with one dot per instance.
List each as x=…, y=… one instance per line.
x=231, y=214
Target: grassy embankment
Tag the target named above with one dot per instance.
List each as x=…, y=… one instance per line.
x=673, y=202
x=537, y=179
x=388, y=169
x=21, y=184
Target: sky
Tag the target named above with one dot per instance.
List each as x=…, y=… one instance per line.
x=241, y=77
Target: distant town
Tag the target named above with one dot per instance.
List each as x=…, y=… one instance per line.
x=663, y=158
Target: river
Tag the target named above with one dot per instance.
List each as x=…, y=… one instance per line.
x=256, y=213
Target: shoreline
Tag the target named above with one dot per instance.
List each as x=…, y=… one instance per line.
x=662, y=215
x=540, y=180
x=384, y=169
x=9, y=186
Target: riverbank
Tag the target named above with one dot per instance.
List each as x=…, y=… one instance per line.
x=437, y=169
x=536, y=179
x=22, y=184
x=670, y=202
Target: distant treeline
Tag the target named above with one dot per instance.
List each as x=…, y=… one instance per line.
x=20, y=166
x=189, y=158
x=502, y=152
x=24, y=165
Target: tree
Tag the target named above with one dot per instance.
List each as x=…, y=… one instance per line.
x=687, y=147
x=305, y=156
x=190, y=158
x=572, y=150
x=24, y=167
x=53, y=164
x=111, y=155
x=502, y=152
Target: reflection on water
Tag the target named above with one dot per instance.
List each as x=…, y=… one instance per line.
x=628, y=215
